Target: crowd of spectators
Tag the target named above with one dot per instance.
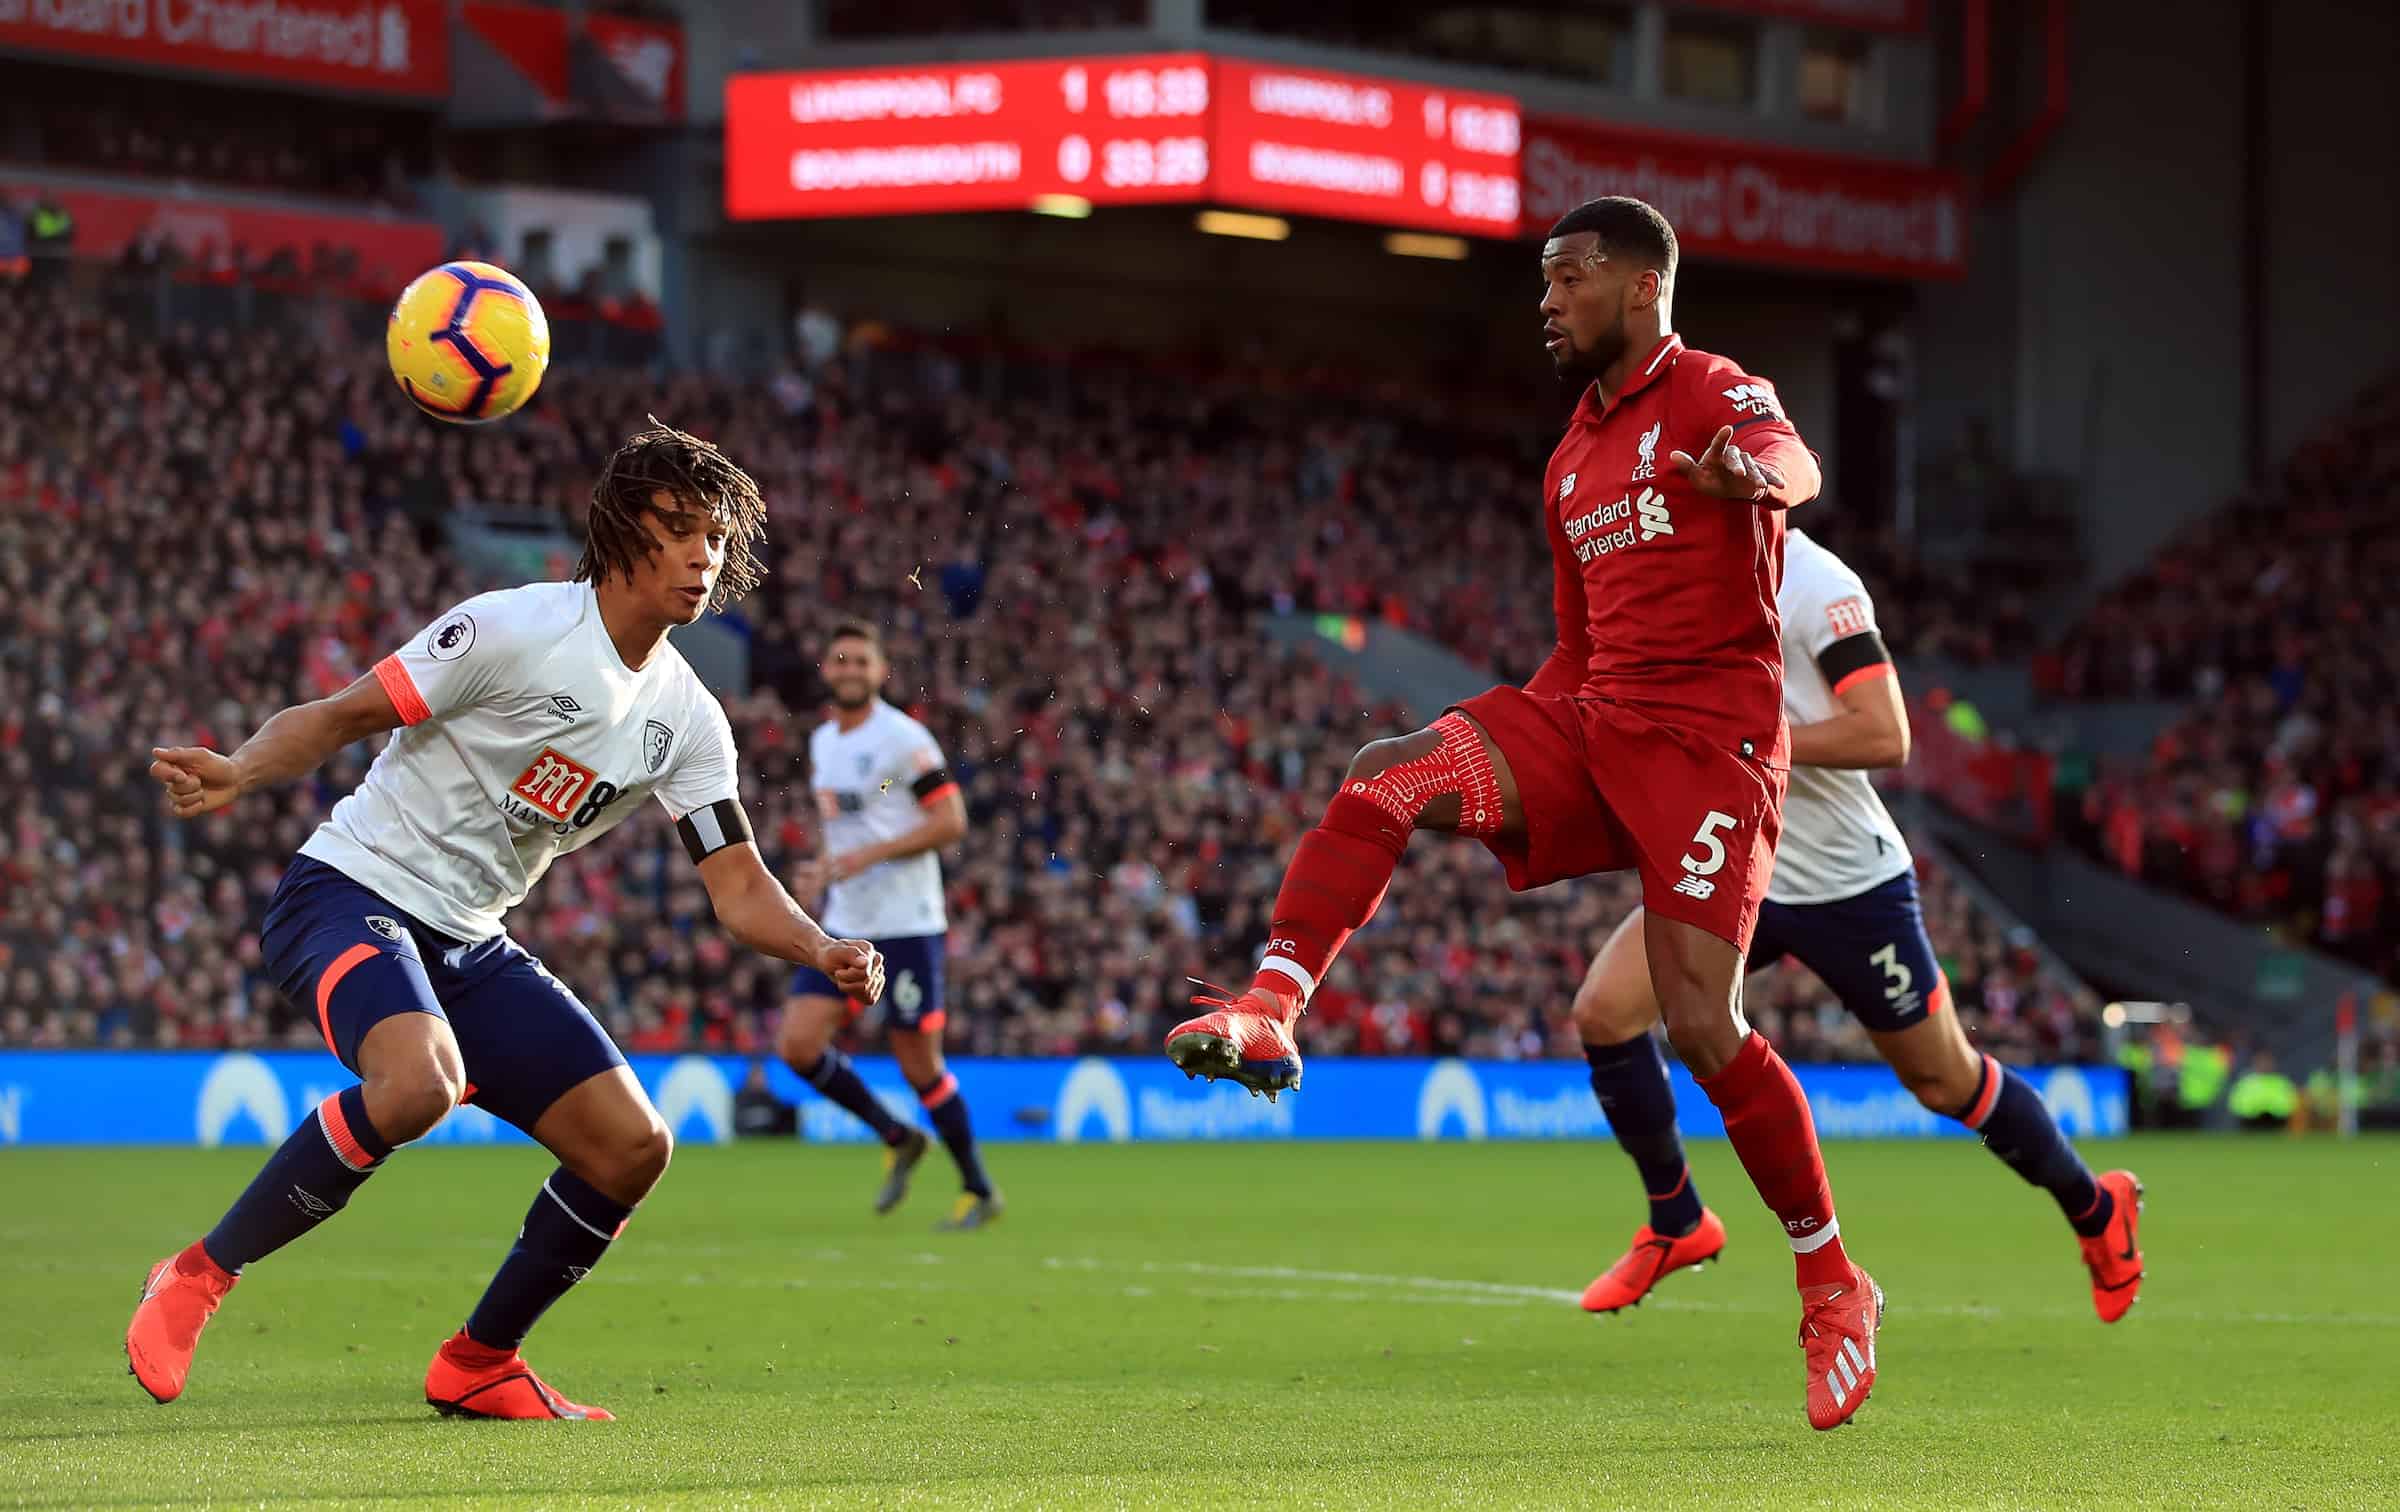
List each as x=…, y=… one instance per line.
x=208, y=134
x=1067, y=579
x=2276, y=795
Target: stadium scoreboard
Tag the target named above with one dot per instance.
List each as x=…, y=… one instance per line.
x=1149, y=128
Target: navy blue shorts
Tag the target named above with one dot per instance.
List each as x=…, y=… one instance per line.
x=912, y=983
x=1871, y=950
x=347, y=956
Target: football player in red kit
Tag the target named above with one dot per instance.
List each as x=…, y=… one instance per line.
x=1653, y=738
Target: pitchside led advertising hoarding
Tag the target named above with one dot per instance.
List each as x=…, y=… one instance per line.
x=189, y=1097
x=1175, y=127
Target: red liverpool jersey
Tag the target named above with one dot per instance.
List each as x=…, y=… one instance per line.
x=1665, y=596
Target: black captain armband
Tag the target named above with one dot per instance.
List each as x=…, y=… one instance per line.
x=1854, y=659
x=706, y=831
x=933, y=784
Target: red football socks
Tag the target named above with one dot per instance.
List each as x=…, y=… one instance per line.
x=1335, y=883
x=1766, y=1118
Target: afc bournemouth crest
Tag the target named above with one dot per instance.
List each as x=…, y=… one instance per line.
x=656, y=738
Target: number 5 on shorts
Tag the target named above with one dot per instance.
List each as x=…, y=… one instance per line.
x=1710, y=859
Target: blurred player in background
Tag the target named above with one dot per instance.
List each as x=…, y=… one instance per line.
x=1843, y=901
x=531, y=722
x=889, y=806
x=1652, y=738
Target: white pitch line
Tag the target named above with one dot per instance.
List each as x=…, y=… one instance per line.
x=1370, y=1287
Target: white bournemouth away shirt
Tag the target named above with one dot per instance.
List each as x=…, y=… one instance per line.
x=1838, y=839
x=873, y=783
x=524, y=736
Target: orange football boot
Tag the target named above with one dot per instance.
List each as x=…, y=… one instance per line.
x=1651, y=1259
x=2112, y=1255
x=1838, y=1324
x=1248, y=1039
x=467, y=1379
x=179, y=1296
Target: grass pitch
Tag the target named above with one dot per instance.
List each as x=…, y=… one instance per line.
x=1301, y=1325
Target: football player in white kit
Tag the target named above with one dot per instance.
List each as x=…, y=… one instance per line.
x=888, y=805
x=530, y=722
x=1843, y=901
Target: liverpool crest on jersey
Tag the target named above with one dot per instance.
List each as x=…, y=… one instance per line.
x=1646, y=464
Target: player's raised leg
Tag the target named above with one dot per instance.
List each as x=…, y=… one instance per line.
x=919, y=1051
x=1698, y=976
x=539, y=1060
x=379, y=1015
x=811, y=1019
x=1615, y=1011
x=1448, y=776
x=1951, y=1077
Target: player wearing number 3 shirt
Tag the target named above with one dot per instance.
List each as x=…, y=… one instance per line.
x=529, y=723
x=1652, y=739
x=1843, y=902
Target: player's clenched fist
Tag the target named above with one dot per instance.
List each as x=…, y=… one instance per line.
x=1725, y=471
x=856, y=967
x=197, y=780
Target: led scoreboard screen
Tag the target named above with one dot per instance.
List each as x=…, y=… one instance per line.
x=966, y=136
x=1358, y=148
x=1119, y=130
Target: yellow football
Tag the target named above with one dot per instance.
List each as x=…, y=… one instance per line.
x=468, y=343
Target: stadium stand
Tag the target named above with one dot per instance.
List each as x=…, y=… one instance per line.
x=2276, y=795
x=1065, y=569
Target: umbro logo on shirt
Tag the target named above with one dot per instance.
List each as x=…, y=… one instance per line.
x=564, y=706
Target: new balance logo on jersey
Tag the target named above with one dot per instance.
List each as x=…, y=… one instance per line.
x=1653, y=507
x=1695, y=887
x=1647, y=464
x=1566, y=486
x=564, y=707
x=1754, y=399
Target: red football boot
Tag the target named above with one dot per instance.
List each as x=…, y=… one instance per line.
x=178, y=1298
x=2113, y=1255
x=1651, y=1259
x=1248, y=1039
x=467, y=1379
x=1838, y=1324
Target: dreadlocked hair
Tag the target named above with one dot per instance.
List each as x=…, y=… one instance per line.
x=699, y=477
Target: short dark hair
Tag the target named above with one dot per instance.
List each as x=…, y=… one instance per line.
x=855, y=629
x=1627, y=227
x=698, y=475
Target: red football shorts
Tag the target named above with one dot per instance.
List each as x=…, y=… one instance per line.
x=1605, y=788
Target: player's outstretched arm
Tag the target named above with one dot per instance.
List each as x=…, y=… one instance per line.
x=292, y=744
x=755, y=909
x=1779, y=472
